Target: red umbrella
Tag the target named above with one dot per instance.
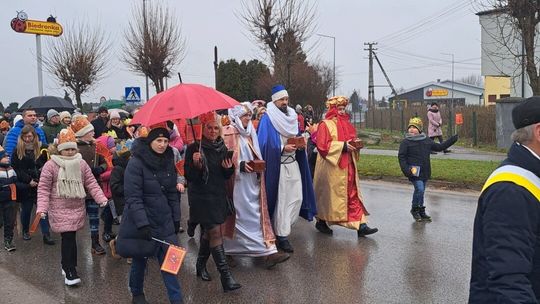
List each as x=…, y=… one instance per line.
x=186, y=100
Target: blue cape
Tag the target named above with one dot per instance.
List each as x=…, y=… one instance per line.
x=270, y=144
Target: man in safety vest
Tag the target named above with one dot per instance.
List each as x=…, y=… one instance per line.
x=506, y=241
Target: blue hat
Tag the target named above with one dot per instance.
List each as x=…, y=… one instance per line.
x=278, y=92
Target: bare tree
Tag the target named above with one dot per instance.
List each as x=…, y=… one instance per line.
x=153, y=43
x=78, y=58
x=515, y=29
x=474, y=79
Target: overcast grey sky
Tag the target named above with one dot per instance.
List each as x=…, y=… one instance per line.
x=412, y=35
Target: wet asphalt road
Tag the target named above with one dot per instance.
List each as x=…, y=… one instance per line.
x=405, y=262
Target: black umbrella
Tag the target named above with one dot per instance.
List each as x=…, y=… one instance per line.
x=42, y=104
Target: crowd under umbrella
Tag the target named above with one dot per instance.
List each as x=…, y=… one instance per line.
x=42, y=104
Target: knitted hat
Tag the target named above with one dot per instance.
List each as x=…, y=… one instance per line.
x=4, y=125
x=417, y=123
x=298, y=108
x=64, y=114
x=156, y=133
x=114, y=115
x=81, y=126
x=278, y=92
x=66, y=140
x=52, y=113
x=102, y=109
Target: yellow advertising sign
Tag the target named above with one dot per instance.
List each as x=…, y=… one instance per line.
x=43, y=28
x=436, y=92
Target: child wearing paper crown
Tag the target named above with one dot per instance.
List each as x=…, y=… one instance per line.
x=62, y=187
x=414, y=160
x=8, y=196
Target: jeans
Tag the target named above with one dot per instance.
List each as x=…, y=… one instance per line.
x=8, y=215
x=107, y=217
x=418, y=194
x=69, y=250
x=27, y=205
x=136, y=277
x=92, y=209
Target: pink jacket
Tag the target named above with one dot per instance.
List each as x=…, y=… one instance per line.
x=435, y=122
x=176, y=140
x=65, y=214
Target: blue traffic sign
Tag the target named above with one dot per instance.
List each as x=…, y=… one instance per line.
x=133, y=94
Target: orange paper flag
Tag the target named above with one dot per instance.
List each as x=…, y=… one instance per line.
x=35, y=224
x=459, y=119
x=173, y=259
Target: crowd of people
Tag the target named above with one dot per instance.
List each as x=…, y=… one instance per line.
x=249, y=176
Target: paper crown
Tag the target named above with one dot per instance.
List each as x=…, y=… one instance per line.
x=143, y=131
x=112, y=133
x=208, y=117
x=417, y=123
x=81, y=126
x=337, y=101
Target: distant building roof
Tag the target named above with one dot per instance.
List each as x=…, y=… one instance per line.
x=447, y=84
x=493, y=11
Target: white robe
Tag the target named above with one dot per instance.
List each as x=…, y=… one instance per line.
x=289, y=200
x=248, y=237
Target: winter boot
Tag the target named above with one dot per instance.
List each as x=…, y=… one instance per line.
x=365, y=230
x=227, y=280
x=283, y=244
x=191, y=228
x=96, y=247
x=8, y=245
x=48, y=240
x=202, y=258
x=422, y=212
x=139, y=299
x=415, y=211
x=323, y=227
x=108, y=236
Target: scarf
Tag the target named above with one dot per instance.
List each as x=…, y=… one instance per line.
x=246, y=133
x=218, y=145
x=415, y=137
x=69, y=182
x=285, y=124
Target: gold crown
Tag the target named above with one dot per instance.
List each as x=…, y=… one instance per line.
x=337, y=101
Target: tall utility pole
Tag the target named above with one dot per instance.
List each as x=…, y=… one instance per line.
x=145, y=38
x=371, y=86
x=334, y=77
x=215, y=67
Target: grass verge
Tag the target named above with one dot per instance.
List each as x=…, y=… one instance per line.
x=462, y=173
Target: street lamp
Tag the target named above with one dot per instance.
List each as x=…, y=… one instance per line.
x=334, y=77
x=452, y=100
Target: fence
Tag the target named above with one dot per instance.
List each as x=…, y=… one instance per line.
x=478, y=121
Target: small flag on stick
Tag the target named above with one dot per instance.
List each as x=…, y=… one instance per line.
x=35, y=224
x=173, y=258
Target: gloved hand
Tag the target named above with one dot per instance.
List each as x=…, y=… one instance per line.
x=145, y=233
x=97, y=170
x=176, y=227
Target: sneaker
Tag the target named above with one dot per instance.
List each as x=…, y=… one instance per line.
x=415, y=212
x=365, y=230
x=9, y=246
x=71, y=277
x=275, y=258
x=26, y=236
x=108, y=236
x=423, y=215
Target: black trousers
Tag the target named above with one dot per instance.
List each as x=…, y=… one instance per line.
x=69, y=249
x=7, y=210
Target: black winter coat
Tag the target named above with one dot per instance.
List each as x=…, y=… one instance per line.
x=100, y=126
x=116, y=182
x=506, y=239
x=417, y=153
x=207, y=201
x=151, y=200
x=27, y=169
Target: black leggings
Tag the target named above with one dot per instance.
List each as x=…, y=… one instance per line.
x=69, y=249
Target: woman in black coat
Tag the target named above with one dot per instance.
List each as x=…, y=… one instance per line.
x=152, y=210
x=27, y=161
x=206, y=174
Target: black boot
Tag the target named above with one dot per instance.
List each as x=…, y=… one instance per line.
x=108, y=236
x=415, y=211
x=47, y=239
x=191, y=228
x=227, y=281
x=202, y=258
x=139, y=299
x=323, y=227
x=365, y=230
x=283, y=244
x=96, y=246
x=423, y=216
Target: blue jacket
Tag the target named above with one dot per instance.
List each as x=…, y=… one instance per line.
x=10, y=143
x=506, y=239
x=151, y=200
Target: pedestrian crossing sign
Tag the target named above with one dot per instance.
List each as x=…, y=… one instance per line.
x=133, y=94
